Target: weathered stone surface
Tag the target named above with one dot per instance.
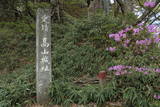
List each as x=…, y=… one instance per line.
x=43, y=55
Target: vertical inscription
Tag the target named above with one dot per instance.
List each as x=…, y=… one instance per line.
x=43, y=55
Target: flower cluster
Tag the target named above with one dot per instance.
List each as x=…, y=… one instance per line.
x=147, y=41
x=152, y=28
x=121, y=72
x=157, y=97
x=149, y=4
x=156, y=40
x=118, y=36
x=135, y=37
x=122, y=69
x=136, y=31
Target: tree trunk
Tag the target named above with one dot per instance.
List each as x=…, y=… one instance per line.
x=106, y=5
x=122, y=6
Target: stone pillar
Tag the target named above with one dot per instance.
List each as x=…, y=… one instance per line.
x=43, y=55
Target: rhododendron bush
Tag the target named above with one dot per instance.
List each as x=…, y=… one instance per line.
x=136, y=39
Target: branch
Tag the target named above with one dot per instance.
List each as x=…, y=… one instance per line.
x=152, y=14
x=146, y=14
x=157, y=18
x=120, y=3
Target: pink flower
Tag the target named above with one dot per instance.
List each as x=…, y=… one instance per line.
x=124, y=35
x=156, y=34
x=122, y=69
x=156, y=40
x=111, y=35
x=127, y=29
x=111, y=49
x=117, y=68
x=129, y=67
x=149, y=4
x=139, y=69
x=120, y=73
x=151, y=28
x=157, y=70
x=117, y=38
x=156, y=97
x=140, y=42
x=136, y=31
x=117, y=73
x=140, y=24
x=121, y=32
x=144, y=42
x=146, y=73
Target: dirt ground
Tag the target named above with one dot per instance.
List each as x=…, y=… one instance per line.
x=118, y=104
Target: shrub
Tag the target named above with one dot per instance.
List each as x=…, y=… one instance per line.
x=17, y=88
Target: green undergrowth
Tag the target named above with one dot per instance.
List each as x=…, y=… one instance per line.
x=133, y=90
x=17, y=43
x=17, y=88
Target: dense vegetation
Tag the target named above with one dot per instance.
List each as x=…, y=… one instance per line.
x=82, y=47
